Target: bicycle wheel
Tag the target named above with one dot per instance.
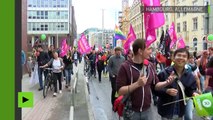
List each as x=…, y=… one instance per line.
x=46, y=85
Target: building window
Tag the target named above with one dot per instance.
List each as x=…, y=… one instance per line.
x=38, y=3
x=178, y=15
x=63, y=3
x=58, y=3
x=46, y=14
x=58, y=13
x=29, y=26
x=42, y=3
x=167, y=27
x=50, y=26
x=42, y=27
x=204, y=25
x=46, y=3
x=66, y=15
x=178, y=1
x=42, y=14
x=204, y=43
x=29, y=14
x=54, y=3
x=34, y=14
x=58, y=26
x=178, y=27
x=34, y=3
x=184, y=26
x=195, y=23
x=38, y=14
x=50, y=3
x=167, y=17
x=30, y=3
x=34, y=26
x=194, y=3
x=46, y=27
x=195, y=43
x=54, y=26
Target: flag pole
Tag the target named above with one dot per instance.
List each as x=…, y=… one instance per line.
x=177, y=101
x=142, y=21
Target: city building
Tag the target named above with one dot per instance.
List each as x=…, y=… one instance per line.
x=24, y=30
x=189, y=26
x=54, y=18
x=136, y=19
x=99, y=37
x=124, y=17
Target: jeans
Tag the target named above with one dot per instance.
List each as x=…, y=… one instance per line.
x=68, y=75
x=145, y=115
x=202, y=82
x=40, y=71
x=189, y=110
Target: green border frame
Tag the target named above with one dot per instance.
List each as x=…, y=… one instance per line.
x=7, y=72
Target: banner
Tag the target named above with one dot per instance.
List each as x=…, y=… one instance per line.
x=83, y=45
x=131, y=37
x=172, y=34
x=64, y=48
x=204, y=104
x=152, y=21
x=181, y=43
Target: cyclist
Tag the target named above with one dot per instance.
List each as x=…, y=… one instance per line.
x=57, y=65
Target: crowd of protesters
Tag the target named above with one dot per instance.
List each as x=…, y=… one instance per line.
x=139, y=73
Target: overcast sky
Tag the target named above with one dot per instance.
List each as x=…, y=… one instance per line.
x=88, y=13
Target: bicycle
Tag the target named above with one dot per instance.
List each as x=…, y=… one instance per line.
x=49, y=81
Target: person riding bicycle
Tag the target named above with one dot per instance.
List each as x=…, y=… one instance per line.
x=57, y=65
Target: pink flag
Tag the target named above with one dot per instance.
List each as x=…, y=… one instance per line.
x=64, y=48
x=155, y=19
x=100, y=48
x=152, y=21
x=131, y=37
x=181, y=43
x=172, y=34
x=83, y=45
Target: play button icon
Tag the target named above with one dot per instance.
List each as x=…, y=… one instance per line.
x=25, y=99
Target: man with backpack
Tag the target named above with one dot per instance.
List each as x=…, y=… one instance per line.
x=135, y=81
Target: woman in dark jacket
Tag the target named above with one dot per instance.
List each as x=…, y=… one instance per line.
x=67, y=59
x=100, y=67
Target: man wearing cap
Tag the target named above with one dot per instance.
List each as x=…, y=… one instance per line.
x=114, y=64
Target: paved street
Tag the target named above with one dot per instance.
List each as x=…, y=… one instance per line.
x=50, y=108
x=100, y=98
x=93, y=106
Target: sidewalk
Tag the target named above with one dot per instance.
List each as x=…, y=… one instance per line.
x=82, y=107
x=50, y=108
x=58, y=108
